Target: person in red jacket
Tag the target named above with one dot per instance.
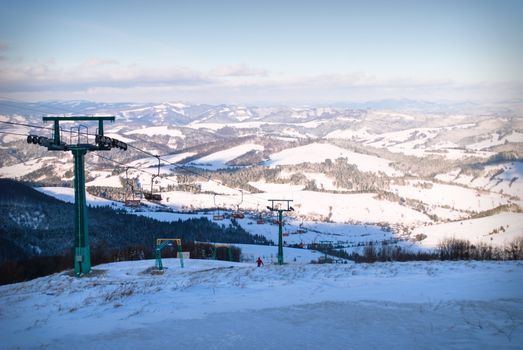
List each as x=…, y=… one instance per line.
x=259, y=262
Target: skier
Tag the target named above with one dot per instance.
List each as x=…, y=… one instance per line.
x=259, y=262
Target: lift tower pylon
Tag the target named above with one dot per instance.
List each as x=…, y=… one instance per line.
x=82, y=260
x=276, y=205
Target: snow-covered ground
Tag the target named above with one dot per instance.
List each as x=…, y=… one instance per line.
x=318, y=153
x=496, y=230
x=157, y=130
x=269, y=254
x=506, y=178
x=66, y=194
x=223, y=305
x=457, y=197
x=62, y=165
x=219, y=159
x=359, y=207
x=351, y=217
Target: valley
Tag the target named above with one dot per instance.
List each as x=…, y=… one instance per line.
x=412, y=177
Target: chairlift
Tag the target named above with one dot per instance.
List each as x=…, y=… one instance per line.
x=218, y=216
x=151, y=196
x=239, y=214
x=260, y=220
x=129, y=184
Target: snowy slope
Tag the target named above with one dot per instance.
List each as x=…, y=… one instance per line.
x=504, y=178
x=221, y=305
x=105, y=179
x=152, y=161
x=157, y=130
x=219, y=159
x=496, y=230
x=496, y=139
x=318, y=153
x=66, y=194
x=452, y=196
x=350, y=237
x=61, y=165
x=360, y=207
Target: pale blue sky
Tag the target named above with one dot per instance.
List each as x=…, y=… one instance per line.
x=261, y=51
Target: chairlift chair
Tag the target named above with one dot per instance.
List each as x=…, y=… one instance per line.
x=239, y=214
x=151, y=196
x=218, y=216
x=133, y=203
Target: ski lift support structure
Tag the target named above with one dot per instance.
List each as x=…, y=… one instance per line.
x=276, y=205
x=162, y=243
x=82, y=254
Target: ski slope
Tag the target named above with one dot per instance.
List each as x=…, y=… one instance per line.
x=219, y=159
x=319, y=152
x=496, y=230
x=61, y=165
x=341, y=208
x=157, y=130
x=506, y=178
x=223, y=305
x=66, y=194
x=457, y=197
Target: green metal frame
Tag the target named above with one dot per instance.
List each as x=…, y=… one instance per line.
x=82, y=260
x=280, y=224
x=162, y=243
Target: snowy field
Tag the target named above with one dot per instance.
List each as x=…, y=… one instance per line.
x=497, y=230
x=318, y=153
x=219, y=159
x=221, y=305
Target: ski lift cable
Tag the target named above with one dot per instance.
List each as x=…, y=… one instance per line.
x=131, y=167
x=183, y=168
x=160, y=159
x=27, y=125
x=12, y=133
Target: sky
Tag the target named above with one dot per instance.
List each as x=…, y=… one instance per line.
x=261, y=52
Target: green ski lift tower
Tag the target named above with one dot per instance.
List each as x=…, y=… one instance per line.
x=278, y=206
x=82, y=259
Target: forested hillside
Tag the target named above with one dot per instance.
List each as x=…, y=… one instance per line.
x=33, y=224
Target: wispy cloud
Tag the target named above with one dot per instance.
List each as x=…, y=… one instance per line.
x=238, y=70
x=107, y=79
x=92, y=73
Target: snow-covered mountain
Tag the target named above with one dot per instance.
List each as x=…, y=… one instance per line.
x=409, y=164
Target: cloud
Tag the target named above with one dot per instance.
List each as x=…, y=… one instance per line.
x=109, y=80
x=238, y=70
x=92, y=73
